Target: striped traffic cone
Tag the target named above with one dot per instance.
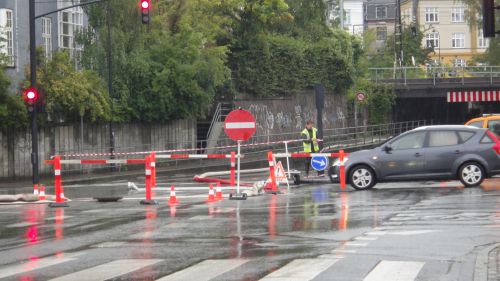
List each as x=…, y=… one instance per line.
x=41, y=196
x=173, y=198
x=35, y=189
x=218, y=193
x=211, y=195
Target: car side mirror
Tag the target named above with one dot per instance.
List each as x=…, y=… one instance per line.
x=387, y=149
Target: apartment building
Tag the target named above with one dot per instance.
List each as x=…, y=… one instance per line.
x=54, y=31
x=444, y=22
x=380, y=16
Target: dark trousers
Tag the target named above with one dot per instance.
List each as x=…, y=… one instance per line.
x=307, y=164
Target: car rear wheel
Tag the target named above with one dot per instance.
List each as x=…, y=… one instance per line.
x=362, y=177
x=471, y=174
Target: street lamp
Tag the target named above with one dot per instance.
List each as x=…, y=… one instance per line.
x=439, y=44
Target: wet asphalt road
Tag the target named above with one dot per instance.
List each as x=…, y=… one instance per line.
x=399, y=231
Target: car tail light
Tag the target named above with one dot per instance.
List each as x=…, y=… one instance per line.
x=495, y=138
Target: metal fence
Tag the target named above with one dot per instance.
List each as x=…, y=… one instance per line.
x=433, y=75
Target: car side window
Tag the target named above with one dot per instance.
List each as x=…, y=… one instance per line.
x=486, y=139
x=477, y=124
x=410, y=141
x=465, y=136
x=494, y=126
x=443, y=138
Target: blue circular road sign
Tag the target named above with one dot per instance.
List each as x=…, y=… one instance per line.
x=319, y=163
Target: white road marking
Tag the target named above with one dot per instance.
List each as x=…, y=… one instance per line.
x=343, y=251
x=395, y=271
x=354, y=244
x=392, y=223
x=377, y=233
x=37, y=264
x=364, y=238
x=334, y=256
x=21, y=224
x=108, y=270
x=412, y=232
x=205, y=270
x=300, y=269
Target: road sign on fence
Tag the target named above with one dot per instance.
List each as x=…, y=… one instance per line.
x=240, y=125
x=319, y=163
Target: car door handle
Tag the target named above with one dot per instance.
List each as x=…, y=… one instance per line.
x=458, y=151
x=418, y=154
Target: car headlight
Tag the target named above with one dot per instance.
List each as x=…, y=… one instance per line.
x=337, y=162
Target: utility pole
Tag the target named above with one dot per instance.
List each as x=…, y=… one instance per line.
x=110, y=82
x=34, y=107
x=398, y=36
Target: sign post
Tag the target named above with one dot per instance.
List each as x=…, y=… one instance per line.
x=239, y=126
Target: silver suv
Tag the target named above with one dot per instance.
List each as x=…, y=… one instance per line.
x=427, y=153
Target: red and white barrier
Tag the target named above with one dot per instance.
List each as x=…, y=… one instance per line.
x=341, y=155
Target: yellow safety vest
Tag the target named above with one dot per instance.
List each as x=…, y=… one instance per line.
x=307, y=146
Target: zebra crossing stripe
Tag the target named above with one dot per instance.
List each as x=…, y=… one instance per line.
x=205, y=270
x=108, y=270
x=395, y=270
x=300, y=269
x=36, y=264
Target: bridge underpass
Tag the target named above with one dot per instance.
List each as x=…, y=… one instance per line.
x=423, y=93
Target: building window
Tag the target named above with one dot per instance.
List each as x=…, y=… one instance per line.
x=431, y=15
x=458, y=62
x=457, y=14
x=381, y=12
x=47, y=36
x=7, y=36
x=458, y=40
x=381, y=33
x=70, y=24
x=482, y=42
x=347, y=19
x=432, y=40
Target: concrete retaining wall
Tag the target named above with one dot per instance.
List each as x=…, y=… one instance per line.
x=15, y=147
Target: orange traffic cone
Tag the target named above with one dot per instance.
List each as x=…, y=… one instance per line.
x=211, y=195
x=41, y=197
x=173, y=198
x=35, y=189
x=218, y=193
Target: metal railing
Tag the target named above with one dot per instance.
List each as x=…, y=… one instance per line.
x=433, y=75
x=349, y=138
x=216, y=118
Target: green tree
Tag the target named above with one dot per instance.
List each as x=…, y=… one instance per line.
x=70, y=93
x=13, y=113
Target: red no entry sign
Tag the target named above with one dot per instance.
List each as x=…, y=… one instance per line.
x=239, y=125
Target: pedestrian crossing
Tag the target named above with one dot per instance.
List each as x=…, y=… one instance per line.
x=212, y=269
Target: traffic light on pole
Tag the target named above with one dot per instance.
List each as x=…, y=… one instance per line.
x=489, y=18
x=30, y=95
x=145, y=7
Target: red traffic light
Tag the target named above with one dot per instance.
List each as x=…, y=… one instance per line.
x=145, y=4
x=30, y=95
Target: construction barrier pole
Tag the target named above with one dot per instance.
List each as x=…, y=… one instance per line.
x=270, y=158
x=342, y=169
x=232, y=169
x=153, y=169
x=148, y=200
x=287, y=162
x=60, y=202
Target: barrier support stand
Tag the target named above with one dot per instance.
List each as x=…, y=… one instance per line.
x=274, y=186
x=232, y=169
x=238, y=195
x=153, y=169
x=148, y=200
x=342, y=170
x=60, y=201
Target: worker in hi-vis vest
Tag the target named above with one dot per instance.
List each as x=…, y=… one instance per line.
x=310, y=143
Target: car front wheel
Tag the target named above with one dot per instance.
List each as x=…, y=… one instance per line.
x=362, y=177
x=471, y=174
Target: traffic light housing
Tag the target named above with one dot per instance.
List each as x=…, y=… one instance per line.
x=31, y=96
x=489, y=18
x=145, y=7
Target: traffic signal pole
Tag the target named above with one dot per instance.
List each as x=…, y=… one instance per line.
x=34, y=107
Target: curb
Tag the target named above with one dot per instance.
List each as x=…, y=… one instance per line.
x=481, y=267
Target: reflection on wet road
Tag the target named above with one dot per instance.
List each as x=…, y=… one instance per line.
x=425, y=231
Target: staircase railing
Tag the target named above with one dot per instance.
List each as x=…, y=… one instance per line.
x=216, y=118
